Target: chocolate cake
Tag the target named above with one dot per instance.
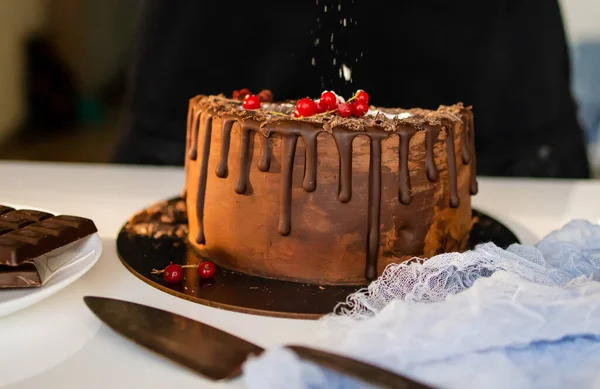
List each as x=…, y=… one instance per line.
x=326, y=199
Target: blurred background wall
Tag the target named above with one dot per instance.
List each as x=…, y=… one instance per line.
x=62, y=66
x=582, y=20
x=17, y=20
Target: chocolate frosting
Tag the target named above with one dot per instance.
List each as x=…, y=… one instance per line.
x=276, y=120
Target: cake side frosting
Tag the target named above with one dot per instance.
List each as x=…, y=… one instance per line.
x=440, y=141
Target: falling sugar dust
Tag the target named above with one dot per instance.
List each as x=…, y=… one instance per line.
x=334, y=55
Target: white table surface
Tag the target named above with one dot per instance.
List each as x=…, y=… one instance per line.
x=59, y=344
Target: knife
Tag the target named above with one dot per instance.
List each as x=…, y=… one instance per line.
x=214, y=353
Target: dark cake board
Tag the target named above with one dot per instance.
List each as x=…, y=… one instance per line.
x=160, y=238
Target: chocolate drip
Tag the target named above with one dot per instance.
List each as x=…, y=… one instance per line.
x=374, y=212
x=404, y=188
x=431, y=135
x=265, y=159
x=310, y=161
x=451, y=157
x=200, y=239
x=288, y=153
x=242, y=183
x=464, y=139
x=194, y=136
x=343, y=140
x=222, y=169
x=473, y=186
x=187, y=148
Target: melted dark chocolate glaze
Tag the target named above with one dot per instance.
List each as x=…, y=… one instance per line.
x=473, y=163
x=374, y=211
x=431, y=135
x=464, y=140
x=451, y=155
x=187, y=148
x=265, y=159
x=222, y=167
x=290, y=131
x=200, y=239
x=242, y=182
x=194, y=136
x=344, y=139
x=288, y=153
x=404, y=189
x=310, y=167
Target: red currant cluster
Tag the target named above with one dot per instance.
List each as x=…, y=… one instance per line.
x=173, y=273
x=329, y=102
x=251, y=101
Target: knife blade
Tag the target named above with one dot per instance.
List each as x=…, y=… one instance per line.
x=207, y=350
x=214, y=353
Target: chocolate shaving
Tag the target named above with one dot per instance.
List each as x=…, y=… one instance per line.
x=164, y=219
x=224, y=107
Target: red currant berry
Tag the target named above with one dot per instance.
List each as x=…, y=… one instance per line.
x=320, y=107
x=359, y=108
x=328, y=100
x=266, y=96
x=362, y=96
x=235, y=95
x=206, y=269
x=306, y=107
x=173, y=273
x=251, y=102
x=344, y=110
x=244, y=92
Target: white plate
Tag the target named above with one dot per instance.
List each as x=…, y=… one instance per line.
x=84, y=255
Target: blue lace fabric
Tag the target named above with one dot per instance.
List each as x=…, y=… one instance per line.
x=524, y=317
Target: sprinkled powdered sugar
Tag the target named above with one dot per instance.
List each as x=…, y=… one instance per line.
x=401, y=115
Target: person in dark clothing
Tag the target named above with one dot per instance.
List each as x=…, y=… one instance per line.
x=506, y=58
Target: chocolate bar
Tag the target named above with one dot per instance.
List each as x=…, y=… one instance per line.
x=24, y=276
x=27, y=234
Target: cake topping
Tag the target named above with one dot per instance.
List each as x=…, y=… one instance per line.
x=240, y=94
x=251, y=102
x=328, y=100
x=345, y=110
x=321, y=108
x=264, y=95
x=387, y=119
x=330, y=103
x=305, y=107
x=359, y=108
x=401, y=115
x=362, y=96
